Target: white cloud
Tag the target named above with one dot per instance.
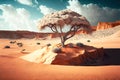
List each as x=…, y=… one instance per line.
x=33, y=3
x=16, y=19
x=45, y=10
x=36, y=2
x=25, y=2
x=93, y=12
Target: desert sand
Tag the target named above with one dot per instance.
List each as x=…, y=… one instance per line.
x=14, y=68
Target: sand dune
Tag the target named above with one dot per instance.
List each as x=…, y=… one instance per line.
x=15, y=69
x=117, y=34
x=39, y=56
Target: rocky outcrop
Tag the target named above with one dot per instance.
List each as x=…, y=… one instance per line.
x=22, y=34
x=67, y=56
x=82, y=32
x=106, y=25
x=78, y=56
x=93, y=28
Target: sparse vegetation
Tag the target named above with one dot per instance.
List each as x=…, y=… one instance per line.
x=38, y=43
x=48, y=44
x=57, y=50
x=88, y=41
x=23, y=50
x=20, y=44
x=71, y=45
x=79, y=44
x=7, y=46
x=12, y=42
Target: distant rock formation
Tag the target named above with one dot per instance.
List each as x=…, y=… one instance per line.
x=82, y=32
x=106, y=25
x=30, y=35
x=22, y=34
x=39, y=35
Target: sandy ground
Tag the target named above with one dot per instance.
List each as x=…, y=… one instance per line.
x=14, y=68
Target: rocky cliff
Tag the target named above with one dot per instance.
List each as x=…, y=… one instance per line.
x=22, y=34
x=29, y=35
x=106, y=25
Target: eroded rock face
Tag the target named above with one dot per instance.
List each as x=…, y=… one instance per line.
x=22, y=34
x=82, y=32
x=68, y=55
x=79, y=56
x=30, y=35
x=106, y=25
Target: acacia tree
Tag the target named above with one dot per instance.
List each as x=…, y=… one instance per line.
x=56, y=21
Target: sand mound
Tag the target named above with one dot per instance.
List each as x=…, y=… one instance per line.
x=106, y=32
x=43, y=55
x=67, y=56
x=117, y=34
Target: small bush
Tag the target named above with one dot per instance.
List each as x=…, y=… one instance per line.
x=20, y=44
x=59, y=45
x=38, y=43
x=71, y=45
x=57, y=50
x=12, y=42
x=23, y=49
x=49, y=44
x=88, y=41
x=79, y=44
x=7, y=47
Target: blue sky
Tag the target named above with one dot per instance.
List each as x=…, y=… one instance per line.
x=25, y=14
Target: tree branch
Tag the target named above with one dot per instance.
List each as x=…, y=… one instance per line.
x=53, y=29
x=71, y=32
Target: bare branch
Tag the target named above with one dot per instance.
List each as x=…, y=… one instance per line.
x=65, y=37
x=70, y=35
x=72, y=32
x=53, y=29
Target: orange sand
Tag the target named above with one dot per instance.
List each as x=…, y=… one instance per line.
x=14, y=68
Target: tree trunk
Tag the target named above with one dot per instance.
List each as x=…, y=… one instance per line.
x=63, y=43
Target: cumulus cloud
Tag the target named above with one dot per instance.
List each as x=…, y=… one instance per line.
x=16, y=19
x=28, y=2
x=25, y=2
x=36, y=2
x=93, y=12
x=45, y=10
